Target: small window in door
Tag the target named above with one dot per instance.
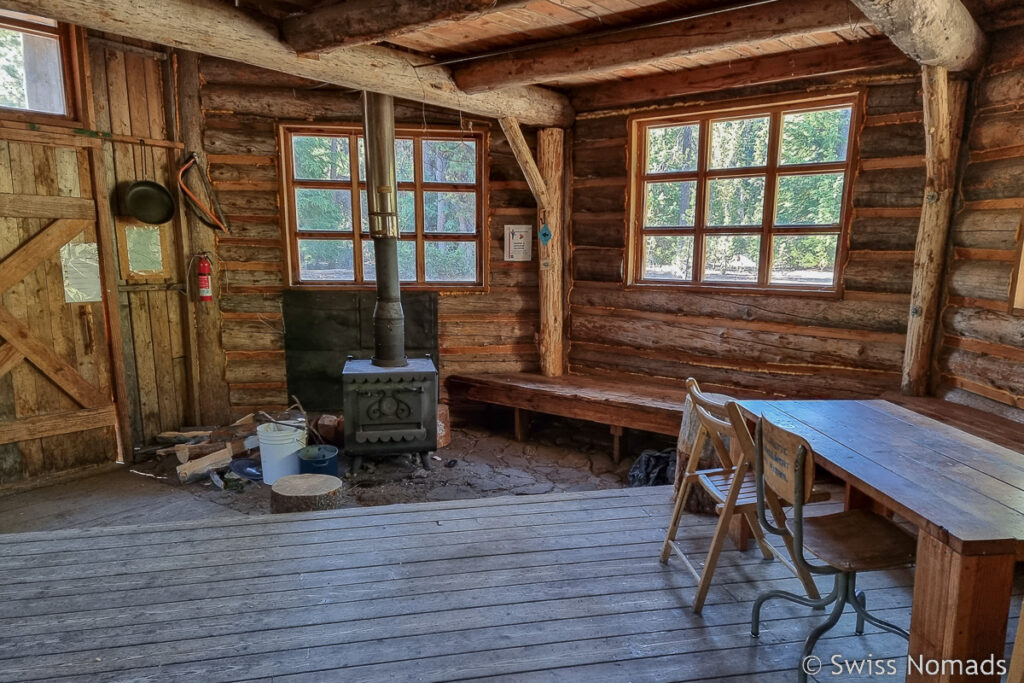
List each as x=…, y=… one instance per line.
x=80, y=263
x=32, y=69
x=142, y=250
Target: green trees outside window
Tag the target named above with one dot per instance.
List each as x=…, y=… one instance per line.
x=439, y=197
x=742, y=199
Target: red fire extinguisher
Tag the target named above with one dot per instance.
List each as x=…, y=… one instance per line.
x=204, y=270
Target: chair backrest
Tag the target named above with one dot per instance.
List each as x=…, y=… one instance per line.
x=724, y=425
x=786, y=461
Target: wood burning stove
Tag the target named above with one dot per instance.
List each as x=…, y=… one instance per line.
x=390, y=401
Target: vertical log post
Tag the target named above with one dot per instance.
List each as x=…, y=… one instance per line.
x=944, y=103
x=214, y=403
x=550, y=150
x=546, y=179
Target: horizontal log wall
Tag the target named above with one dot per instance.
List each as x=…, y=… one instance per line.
x=981, y=343
x=479, y=332
x=769, y=345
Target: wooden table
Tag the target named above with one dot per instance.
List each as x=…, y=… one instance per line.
x=964, y=493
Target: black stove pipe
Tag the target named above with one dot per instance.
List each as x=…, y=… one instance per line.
x=382, y=197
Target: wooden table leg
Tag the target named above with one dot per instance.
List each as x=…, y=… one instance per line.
x=961, y=603
x=1017, y=656
x=858, y=500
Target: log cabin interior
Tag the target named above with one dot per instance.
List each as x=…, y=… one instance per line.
x=512, y=254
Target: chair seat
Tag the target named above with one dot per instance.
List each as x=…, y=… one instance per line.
x=857, y=540
x=717, y=482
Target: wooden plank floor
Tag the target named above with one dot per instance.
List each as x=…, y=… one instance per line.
x=557, y=587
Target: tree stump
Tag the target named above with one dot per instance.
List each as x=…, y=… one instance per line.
x=305, y=493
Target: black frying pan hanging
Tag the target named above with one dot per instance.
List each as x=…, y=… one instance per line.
x=148, y=201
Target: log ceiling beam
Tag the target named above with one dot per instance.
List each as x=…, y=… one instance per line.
x=217, y=29
x=932, y=32
x=607, y=51
x=873, y=53
x=361, y=22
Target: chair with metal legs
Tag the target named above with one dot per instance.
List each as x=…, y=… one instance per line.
x=847, y=542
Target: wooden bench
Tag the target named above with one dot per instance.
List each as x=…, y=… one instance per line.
x=617, y=403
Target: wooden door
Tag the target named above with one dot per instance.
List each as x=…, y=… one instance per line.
x=56, y=389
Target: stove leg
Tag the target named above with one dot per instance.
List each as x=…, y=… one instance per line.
x=425, y=461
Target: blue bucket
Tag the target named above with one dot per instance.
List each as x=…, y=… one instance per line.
x=318, y=460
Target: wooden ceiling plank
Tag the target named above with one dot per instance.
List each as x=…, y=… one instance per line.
x=219, y=30
x=775, y=68
x=932, y=32
x=610, y=51
x=361, y=22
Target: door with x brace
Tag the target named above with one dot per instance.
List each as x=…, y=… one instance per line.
x=57, y=408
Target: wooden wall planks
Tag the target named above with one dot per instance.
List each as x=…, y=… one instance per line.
x=982, y=347
x=777, y=345
x=491, y=331
x=128, y=96
x=36, y=300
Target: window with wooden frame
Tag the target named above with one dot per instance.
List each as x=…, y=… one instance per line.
x=749, y=199
x=35, y=65
x=441, y=202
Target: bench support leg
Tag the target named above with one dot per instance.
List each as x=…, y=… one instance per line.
x=522, y=424
x=617, y=433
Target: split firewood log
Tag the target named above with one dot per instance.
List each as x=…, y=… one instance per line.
x=182, y=437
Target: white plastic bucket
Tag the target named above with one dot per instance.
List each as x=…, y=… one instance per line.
x=278, y=447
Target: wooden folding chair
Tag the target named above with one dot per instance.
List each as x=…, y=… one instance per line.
x=731, y=486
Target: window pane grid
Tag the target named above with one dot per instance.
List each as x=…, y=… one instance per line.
x=790, y=238
x=450, y=258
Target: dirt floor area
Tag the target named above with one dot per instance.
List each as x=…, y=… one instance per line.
x=477, y=464
x=559, y=456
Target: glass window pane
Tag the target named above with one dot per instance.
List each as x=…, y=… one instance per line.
x=672, y=149
x=326, y=260
x=739, y=143
x=668, y=257
x=80, y=263
x=452, y=212
x=731, y=258
x=815, y=136
x=145, y=255
x=671, y=204
x=323, y=209
x=406, y=211
x=809, y=199
x=735, y=201
x=31, y=76
x=320, y=158
x=404, y=161
x=406, y=261
x=449, y=161
x=804, y=259
x=450, y=261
